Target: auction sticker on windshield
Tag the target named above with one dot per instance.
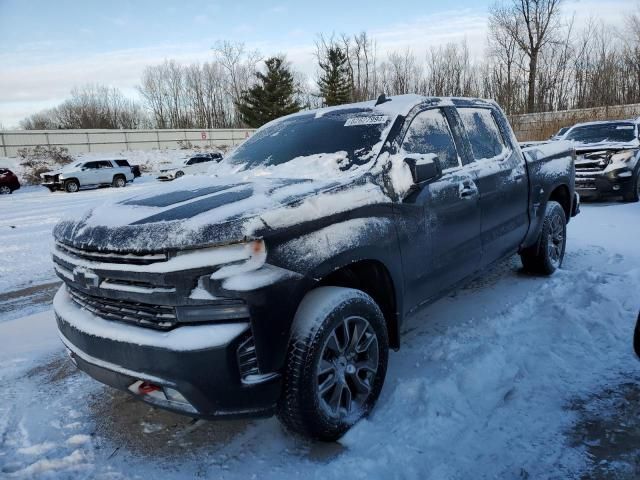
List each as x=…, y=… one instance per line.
x=370, y=120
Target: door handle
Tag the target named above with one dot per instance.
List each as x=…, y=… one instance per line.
x=467, y=190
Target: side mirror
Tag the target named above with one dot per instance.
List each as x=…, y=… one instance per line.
x=423, y=167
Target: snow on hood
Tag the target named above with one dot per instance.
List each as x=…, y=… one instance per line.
x=203, y=211
x=594, y=147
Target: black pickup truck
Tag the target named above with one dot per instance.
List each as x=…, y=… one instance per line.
x=280, y=286
x=607, y=159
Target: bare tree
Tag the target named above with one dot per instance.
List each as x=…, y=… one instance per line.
x=91, y=106
x=532, y=24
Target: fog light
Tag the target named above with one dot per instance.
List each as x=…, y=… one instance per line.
x=174, y=395
x=616, y=187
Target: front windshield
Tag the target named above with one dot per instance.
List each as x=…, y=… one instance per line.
x=355, y=132
x=603, y=132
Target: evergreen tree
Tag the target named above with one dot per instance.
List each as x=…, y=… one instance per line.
x=335, y=81
x=272, y=97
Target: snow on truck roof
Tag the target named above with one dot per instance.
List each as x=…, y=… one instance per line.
x=396, y=105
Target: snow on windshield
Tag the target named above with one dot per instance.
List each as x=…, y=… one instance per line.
x=603, y=132
x=344, y=137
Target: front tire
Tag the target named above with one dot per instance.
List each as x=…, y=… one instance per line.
x=336, y=363
x=71, y=186
x=546, y=256
x=4, y=190
x=634, y=194
x=179, y=174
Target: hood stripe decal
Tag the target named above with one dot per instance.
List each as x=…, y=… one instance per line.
x=166, y=199
x=195, y=208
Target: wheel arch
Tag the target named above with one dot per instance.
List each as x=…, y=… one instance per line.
x=562, y=195
x=559, y=192
x=372, y=276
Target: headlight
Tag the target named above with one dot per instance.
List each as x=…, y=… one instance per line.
x=231, y=259
x=623, y=157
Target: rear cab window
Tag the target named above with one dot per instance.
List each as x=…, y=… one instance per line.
x=429, y=133
x=483, y=133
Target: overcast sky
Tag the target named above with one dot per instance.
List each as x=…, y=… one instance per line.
x=48, y=47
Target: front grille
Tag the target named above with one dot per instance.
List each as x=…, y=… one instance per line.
x=159, y=317
x=113, y=257
x=591, y=164
x=51, y=178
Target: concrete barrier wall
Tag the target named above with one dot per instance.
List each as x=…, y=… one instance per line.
x=540, y=126
x=533, y=126
x=85, y=141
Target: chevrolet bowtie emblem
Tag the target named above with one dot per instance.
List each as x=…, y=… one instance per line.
x=85, y=277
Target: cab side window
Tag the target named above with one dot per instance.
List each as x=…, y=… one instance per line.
x=483, y=132
x=429, y=133
x=90, y=165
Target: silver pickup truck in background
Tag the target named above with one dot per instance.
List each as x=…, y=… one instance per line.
x=91, y=173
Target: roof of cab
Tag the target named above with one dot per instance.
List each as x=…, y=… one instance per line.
x=396, y=105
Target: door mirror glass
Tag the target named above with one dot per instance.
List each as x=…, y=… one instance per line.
x=423, y=167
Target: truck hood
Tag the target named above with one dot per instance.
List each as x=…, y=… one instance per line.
x=605, y=146
x=204, y=211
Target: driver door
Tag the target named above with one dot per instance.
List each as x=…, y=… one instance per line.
x=440, y=240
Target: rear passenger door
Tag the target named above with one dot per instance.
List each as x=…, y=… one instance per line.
x=443, y=246
x=502, y=182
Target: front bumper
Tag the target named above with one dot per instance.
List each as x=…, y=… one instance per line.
x=605, y=184
x=200, y=362
x=166, y=176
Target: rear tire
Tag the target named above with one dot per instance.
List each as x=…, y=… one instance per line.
x=71, y=186
x=119, y=181
x=4, y=190
x=336, y=363
x=546, y=255
x=634, y=194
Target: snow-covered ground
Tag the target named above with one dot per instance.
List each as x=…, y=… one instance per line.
x=483, y=387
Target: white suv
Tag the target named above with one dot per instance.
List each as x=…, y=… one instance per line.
x=197, y=164
x=89, y=173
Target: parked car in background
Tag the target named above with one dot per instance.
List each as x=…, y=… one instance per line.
x=8, y=181
x=135, y=169
x=196, y=164
x=90, y=173
x=607, y=161
x=283, y=291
